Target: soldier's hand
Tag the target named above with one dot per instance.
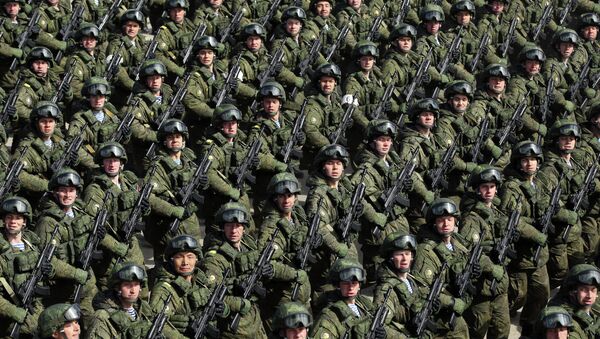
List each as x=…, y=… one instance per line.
x=81, y=276
x=73, y=158
x=540, y=238
x=497, y=272
x=267, y=271
x=65, y=88
x=181, y=322
x=476, y=270
x=11, y=111
x=300, y=138
x=380, y=332
x=233, y=86
x=277, y=68
x=317, y=241
x=254, y=162
x=342, y=250
x=221, y=309
x=179, y=110
x=436, y=305
x=459, y=306
x=47, y=269
x=189, y=210
x=145, y=206
x=101, y=231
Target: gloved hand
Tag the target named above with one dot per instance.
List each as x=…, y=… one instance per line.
x=101, y=231
x=380, y=332
x=145, y=206
x=234, y=194
x=437, y=304
x=35, y=30
x=137, y=329
x=359, y=209
x=277, y=68
x=47, y=269
x=189, y=210
x=267, y=271
x=245, y=306
x=120, y=249
x=569, y=106
x=234, y=86
x=342, y=250
x=542, y=130
x=301, y=276
x=459, y=306
x=496, y=152
x=11, y=110
x=299, y=83
x=203, y=182
x=408, y=184
x=497, y=272
x=567, y=216
x=387, y=107
x=181, y=322
x=64, y=89
x=300, y=138
x=589, y=93
x=540, y=238
x=376, y=36
x=455, y=54
x=317, y=241
x=73, y=158
x=551, y=98
x=254, y=162
x=81, y=276
x=426, y=78
x=179, y=110
x=476, y=270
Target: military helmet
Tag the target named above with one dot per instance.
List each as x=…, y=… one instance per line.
x=177, y=4
x=207, y=42
x=293, y=12
x=182, y=243
x=404, y=30
x=133, y=15
x=432, y=12
x=233, y=212
x=254, y=29
x=583, y=274
x=172, y=126
x=463, y=5
x=347, y=269
x=46, y=109
x=66, y=177
x=40, y=53
x=526, y=149
x=425, y=105
x=459, y=87
x=128, y=272
x=16, y=205
x=226, y=112
x=111, y=149
x=532, y=52
x=497, y=70
x=441, y=207
x=88, y=30
x=565, y=127
x=554, y=317
x=566, y=35
x=331, y=152
x=485, y=174
x=329, y=70
x=589, y=19
x=283, y=183
x=272, y=89
x=379, y=127
x=54, y=317
x=95, y=86
x=366, y=48
x=153, y=67
x=397, y=241
x=291, y=315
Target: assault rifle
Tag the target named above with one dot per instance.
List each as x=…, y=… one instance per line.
x=546, y=220
x=422, y=319
x=139, y=4
x=344, y=124
x=11, y=101
x=125, y=124
x=595, y=83
x=481, y=137
x=514, y=121
x=115, y=62
x=270, y=12
x=189, y=191
x=242, y=172
x=298, y=125
x=253, y=280
x=12, y=175
x=545, y=104
x=201, y=323
x=481, y=49
x=582, y=193
x=544, y=20
x=581, y=82
x=404, y=8
x=509, y=37
x=308, y=246
x=112, y=11
x=374, y=30
x=134, y=217
x=304, y=65
x=439, y=173
x=346, y=223
x=380, y=315
x=232, y=27
x=27, y=291
x=463, y=280
x=503, y=248
x=68, y=157
x=64, y=83
x=159, y=321
x=228, y=84
x=25, y=35
x=68, y=31
x=338, y=41
x=451, y=53
x=149, y=54
x=387, y=95
x=197, y=35
x=566, y=11
x=269, y=72
x=410, y=90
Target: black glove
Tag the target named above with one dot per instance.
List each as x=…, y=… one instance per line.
x=220, y=309
x=126, y=131
x=233, y=86
x=455, y=54
x=380, y=332
x=267, y=271
x=254, y=162
x=179, y=110
x=426, y=78
x=551, y=98
x=101, y=231
x=65, y=88
x=476, y=270
x=46, y=268
x=359, y=209
x=300, y=138
x=317, y=241
x=277, y=68
x=408, y=184
x=35, y=30
x=436, y=305
x=73, y=158
x=387, y=107
x=376, y=36
x=11, y=111
x=189, y=210
x=145, y=206
x=296, y=153
x=203, y=182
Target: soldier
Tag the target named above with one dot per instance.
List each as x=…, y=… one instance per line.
x=54, y=15
x=442, y=244
x=180, y=278
x=291, y=321
x=120, y=312
x=217, y=16
x=564, y=65
x=174, y=35
x=556, y=323
x=588, y=30
x=239, y=252
x=348, y=313
x=15, y=20
x=60, y=321
x=525, y=189
x=361, y=19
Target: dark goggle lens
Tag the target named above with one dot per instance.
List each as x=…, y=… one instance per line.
x=73, y=313
x=387, y=128
x=284, y=187
x=236, y=216
x=445, y=208
x=406, y=241
x=499, y=72
x=98, y=89
x=557, y=320
x=336, y=153
x=47, y=112
x=352, y=274
x=490, y=175
x=572, y=38
x=535, y=55
x=110, y=152
x=187, y=243
x=297, y=320
x=14, y=206
x=433, y=16
x=589, y=278
x=231, y=115
x=132, y=273
x=68, y=180
x=570, y=130
x=530, y=149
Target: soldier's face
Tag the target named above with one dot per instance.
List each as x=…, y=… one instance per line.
x=97, y=102
x=130, y=291
x=177, y=14
x=285, y=202
x=154, y=82
x=497, y=84
x=566, y=49
x=293, y=27
x=174, y=141
x=89, y=43
x=229, y=128
x=323, y=9
x=355, y=3
x=402, y=260
x=367, y=62
x=333, y=169
x=46, y=126
x=206, y=56
x=71, y=330
x=131, y=28
x=589, y=33
x=215, y=3
x=432, y=27
x=557, y=333
x=426, y=119
x=184, y=262
x=566, y=142
x=12, y=9
x=445, y=224
x=253, y=43
x=327, y=84
x=40, y=67
x=271, y=105
x=383, y=144
x=487, y=191
x=497, y=7
x=459, y=103
x=529, y=165
x=586, y=295
x=349, y=289
x=463, y=18
x=296, y=333
x=66, y=195
x=533, y=66
x=14, y=223
x=111, y=166
x=233, y=232
x=404, y=44
x=52, y=2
